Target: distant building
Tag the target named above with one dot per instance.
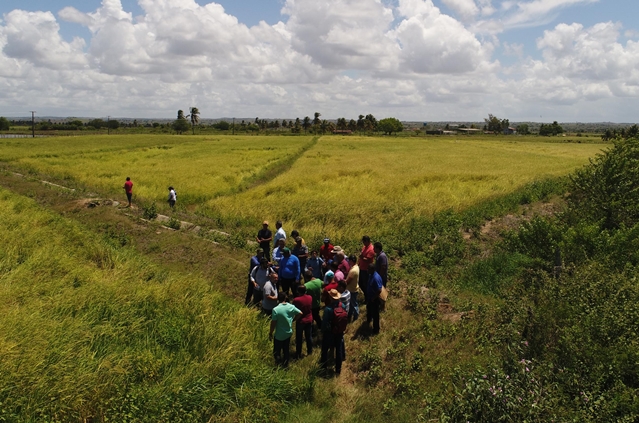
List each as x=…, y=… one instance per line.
x=342, y=131
x=510, y=131
x=468, y=131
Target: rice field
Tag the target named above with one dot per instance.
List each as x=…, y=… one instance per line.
x=327, y=185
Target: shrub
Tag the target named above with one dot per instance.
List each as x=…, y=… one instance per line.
x=150, y=212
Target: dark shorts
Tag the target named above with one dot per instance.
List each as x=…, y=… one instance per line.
x=129, y=195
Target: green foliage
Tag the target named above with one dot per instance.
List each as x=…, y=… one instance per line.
x=222, y=125
x=97, y=123
x=523, y=129
x=181, y=125
x=390, y=125
x=5, y=125
x=150, y=212
x=495, y=395
x=607, y=189
x=174, y=223
x=550, y=129
x=494, y=124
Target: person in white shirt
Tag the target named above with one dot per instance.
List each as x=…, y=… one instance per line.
x=280, y=234
x=172, y=197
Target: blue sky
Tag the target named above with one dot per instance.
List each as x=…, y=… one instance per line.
x=417, y=59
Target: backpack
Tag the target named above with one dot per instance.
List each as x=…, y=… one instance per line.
x=340, y=320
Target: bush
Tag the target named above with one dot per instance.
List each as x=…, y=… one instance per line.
x=174, y=224
x=150, y=212
x=607, y=190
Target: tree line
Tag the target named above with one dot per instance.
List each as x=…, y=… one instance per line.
x=315, y=125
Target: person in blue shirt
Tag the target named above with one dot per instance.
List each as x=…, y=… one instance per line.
x=314, y=264
x=278, y=252
x=374, y=288
x=289, y=271
x=255, y=261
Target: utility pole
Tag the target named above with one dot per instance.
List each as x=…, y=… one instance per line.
x=233, y=126
x=108, y=126
x=33, y=124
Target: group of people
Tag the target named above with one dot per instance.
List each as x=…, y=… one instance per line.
x=291, y=285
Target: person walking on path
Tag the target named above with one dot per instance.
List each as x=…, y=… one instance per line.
x=381, y=262
x=352, y=281
x=282, y=320
x=172, y=197
x=280, y=233
x=289, y=271
x=366, y=260
x=128, y=189
x=334, y=324
x=270, y=296
x=258, y=278
x=264, y=238
x=314, y=289
x=375, y=285
x=255, y=262
x=303, y=329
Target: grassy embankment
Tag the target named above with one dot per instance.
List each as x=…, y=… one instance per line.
x=92, y=329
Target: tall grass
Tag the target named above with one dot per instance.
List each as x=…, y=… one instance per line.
x=89, y=329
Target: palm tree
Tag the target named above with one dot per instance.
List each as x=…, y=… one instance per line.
x=316, y=121
x=324, y=126
x=195, y=117
x=181, y=114
x=306, y=123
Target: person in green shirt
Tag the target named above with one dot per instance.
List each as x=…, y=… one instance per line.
x=282, y=319
x=314, y=289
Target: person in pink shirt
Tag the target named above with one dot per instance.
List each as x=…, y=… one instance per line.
x=339, y=275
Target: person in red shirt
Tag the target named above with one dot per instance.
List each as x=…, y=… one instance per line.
x=366, y=259
x=304, y=302
x=128, y=188
x=326, y=253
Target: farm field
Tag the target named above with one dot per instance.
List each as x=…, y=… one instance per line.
x=320, y=185
x=107, y=317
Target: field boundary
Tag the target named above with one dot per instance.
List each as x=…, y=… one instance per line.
x=270, y=172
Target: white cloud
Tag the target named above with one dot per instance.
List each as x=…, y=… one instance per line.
x=339, y=57
x=436, y=43
x=466, y=9
x=34, y=37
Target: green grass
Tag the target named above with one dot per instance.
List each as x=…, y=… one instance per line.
x=92, y=329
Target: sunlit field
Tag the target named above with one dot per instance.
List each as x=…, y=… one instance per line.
x=328, y=185
x=344, y=185
x=200, y=168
